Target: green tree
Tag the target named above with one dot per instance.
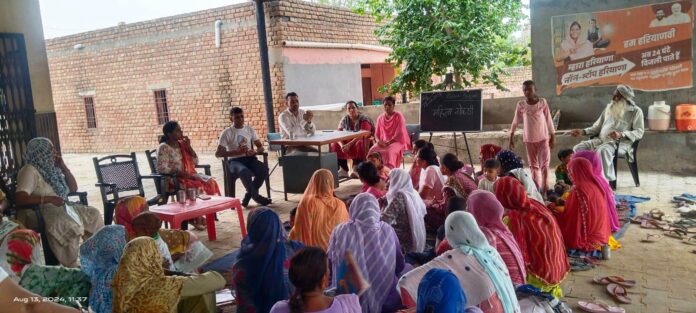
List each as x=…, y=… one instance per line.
x=468, y=38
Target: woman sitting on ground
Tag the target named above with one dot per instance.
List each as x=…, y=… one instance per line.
x=352, y=149
x=186, y=251
x=477, y=265
x=176, y=156
x=512, y=165
x=430, y=188
x=309, y=274
x=537, y=234
x=99, y=256
x=18, y=247
x=441, y=292
x=46, y=181
x=391, y=135
x=140, y=283
x=260, y=266
x=488, y=211
x=376, y=251
x=415, y=171
x=371, y=181
x=319, y=212
x=597, y=172
x=454, y=204
x=431, y=180
x=405, y=211
x=584, y=223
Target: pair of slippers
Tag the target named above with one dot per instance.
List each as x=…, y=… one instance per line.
x=597, y=306
x=616, y=287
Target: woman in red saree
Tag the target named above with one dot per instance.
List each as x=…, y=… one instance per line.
x=585, y=222
x=175, y=156
x=352, y=149
x=537, y=234
x=391, y=135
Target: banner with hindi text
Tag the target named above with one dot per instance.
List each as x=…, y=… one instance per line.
x=647, y=47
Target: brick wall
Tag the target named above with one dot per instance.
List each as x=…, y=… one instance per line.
x=121, y=65
x=512, y=82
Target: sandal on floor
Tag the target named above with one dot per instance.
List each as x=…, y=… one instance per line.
x=628, y=283
x=657, y=214
x=619, y=293
x=601, y=280
x=690, y=214
x=690, y=241
x=597, y=306
x=576, y=266
x=653, y=224
x=677, y=233
x=652, y=238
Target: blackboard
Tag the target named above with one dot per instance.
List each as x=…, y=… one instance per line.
x=451, y=111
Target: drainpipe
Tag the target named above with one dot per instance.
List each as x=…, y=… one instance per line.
x=218, y=29
x=265, y=68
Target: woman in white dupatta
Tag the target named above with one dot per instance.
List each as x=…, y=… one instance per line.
x=405, y=211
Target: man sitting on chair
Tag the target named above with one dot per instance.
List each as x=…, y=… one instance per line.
x=236, y=144
x=295, y=122
x=621, y=122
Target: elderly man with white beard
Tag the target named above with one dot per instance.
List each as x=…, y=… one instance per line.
x=620, y=123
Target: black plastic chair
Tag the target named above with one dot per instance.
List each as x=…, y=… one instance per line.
x=40, y=227
x=231, y=181
x=413, y=134
x=151, y=156
x=119, y=173
x=632, y=166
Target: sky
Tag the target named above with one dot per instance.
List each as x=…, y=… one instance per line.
x=66, y=17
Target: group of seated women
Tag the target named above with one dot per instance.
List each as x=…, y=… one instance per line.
x=491, y=243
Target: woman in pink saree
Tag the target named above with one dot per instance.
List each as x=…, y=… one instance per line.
x=391, y=135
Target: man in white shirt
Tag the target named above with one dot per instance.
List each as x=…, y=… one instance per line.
x=295, y=122
x=677, y=17
x=236, y=143
x=659, y=20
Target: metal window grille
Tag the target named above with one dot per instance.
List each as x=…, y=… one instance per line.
x=17, y=124
x=162, y=106
x=89, y=111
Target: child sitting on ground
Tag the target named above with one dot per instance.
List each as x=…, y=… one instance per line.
x=491, y=170
x=372, y=183
x=562, y=170
x=147, y=224
x=382, y=171
x=291, y=223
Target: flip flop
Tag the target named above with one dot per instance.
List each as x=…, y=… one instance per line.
x=597, y=306
x=653, y=224
x=690, y=214
x=677, y=233
x=628, y=283
x=579, y=266
x=619, y=293
x=601, y=280
x=657, y=214
x=690, y=241
x=652, y=238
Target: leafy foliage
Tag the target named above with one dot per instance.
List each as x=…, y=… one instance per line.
x=468, y=38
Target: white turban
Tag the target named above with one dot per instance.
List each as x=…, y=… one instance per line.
x=627, y=93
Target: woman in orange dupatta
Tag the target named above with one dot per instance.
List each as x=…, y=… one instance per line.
x=319, y=212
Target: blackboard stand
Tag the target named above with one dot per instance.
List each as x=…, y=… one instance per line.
x=456, y=149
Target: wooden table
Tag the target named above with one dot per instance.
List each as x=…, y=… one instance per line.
x=320, y=138
x=175, y=213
